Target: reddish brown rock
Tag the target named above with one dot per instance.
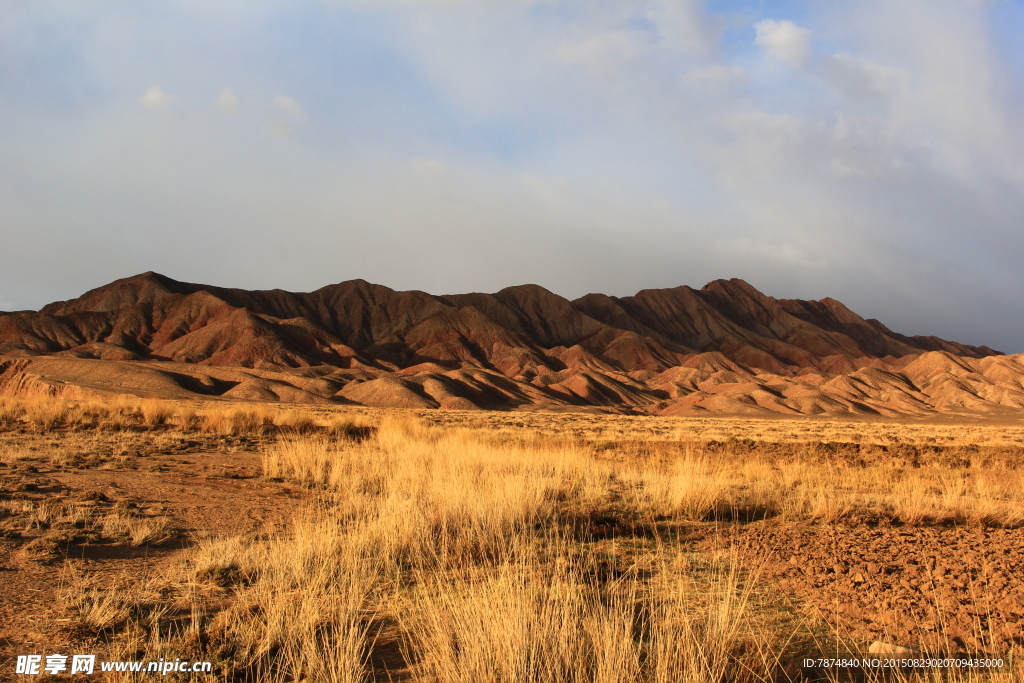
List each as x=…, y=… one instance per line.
x=723, y=348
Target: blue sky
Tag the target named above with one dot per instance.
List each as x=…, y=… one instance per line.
x=870, y=151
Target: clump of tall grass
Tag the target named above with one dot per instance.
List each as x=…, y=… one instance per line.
x=40, y=515
x=349, y=427
x=699, y=484
x=296, y=422
x=96, y=609
x=186, y=417
x=306, y=605
x=461, y=489
x=236, y=420
x=155, y=413
x=135, y=530
x=300, y=604
x=541, y=618
x=10, y=412
x=964, y=496
x=45, y=413
x=691, y=487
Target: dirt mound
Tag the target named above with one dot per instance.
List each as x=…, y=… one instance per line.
x=389, y=392
x=725, y=347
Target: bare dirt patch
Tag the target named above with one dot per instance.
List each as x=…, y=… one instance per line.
x=937, y=589
x=96, y=518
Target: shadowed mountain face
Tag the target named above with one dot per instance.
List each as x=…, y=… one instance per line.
x=665, y=350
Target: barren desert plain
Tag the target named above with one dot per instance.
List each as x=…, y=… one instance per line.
x=359, y=484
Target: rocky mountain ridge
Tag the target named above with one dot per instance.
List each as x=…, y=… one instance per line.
x=724, y=348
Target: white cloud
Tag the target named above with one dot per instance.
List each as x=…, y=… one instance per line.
x=685, y=25
x=154, y=98
x=785, y=40
x=598, y=51
x=716, y=76
x=290, y=107
x=862, y=147
x=786, y=255
x=227, y=100
x=865, y=78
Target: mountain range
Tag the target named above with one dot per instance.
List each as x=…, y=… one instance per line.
x=723, y=348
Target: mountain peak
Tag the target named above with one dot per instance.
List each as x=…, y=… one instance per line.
x=596, y=348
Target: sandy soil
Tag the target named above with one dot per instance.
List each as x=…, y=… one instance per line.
x=201, y=491
x=938, y=589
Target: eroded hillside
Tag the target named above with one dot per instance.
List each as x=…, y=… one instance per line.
x=723, y=348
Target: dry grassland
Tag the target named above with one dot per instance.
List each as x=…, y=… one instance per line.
x=499, y=547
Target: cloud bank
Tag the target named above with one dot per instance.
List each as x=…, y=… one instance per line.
x=867, y=151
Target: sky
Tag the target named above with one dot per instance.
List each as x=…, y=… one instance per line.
x=871, y=151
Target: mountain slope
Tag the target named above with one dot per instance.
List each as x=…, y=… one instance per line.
x=726, y=347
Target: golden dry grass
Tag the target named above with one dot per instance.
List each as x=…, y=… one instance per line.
x=133, y=529
x=503, y=552
x=472, y=556
x=939, y=430
x=42, y=415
